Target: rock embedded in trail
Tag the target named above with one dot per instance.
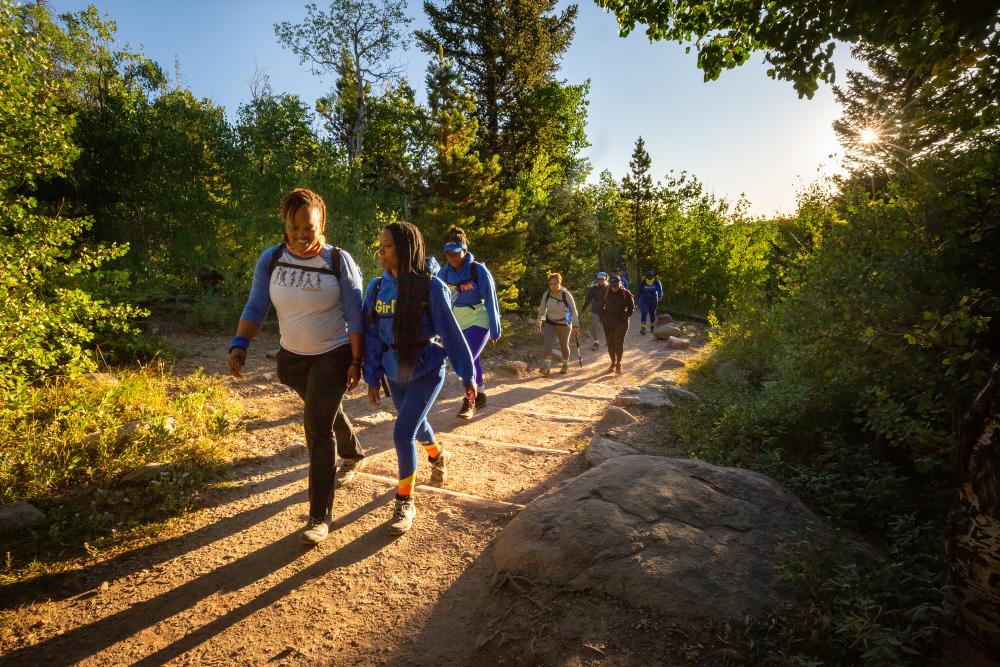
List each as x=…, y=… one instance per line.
x=645, y=396
x=516, y=368
x=666, y=331
x=615, y=417
x=672, y=362
x=676, y=343
x=687, y=538
x=602, y=449
x=19, y=515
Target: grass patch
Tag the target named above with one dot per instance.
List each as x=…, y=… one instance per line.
x=69, y=448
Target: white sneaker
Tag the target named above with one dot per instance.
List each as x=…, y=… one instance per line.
x=315, y=532
x=402, y=516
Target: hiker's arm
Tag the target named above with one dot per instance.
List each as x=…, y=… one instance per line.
x=252, y=316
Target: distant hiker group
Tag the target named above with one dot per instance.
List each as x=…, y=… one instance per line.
x=396, y=334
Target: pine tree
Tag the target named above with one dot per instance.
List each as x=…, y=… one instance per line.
x=639, y=198
x=461, y=189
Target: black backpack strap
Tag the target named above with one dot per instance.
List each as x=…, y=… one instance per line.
x=275, y=257
x=335, y=262
x=473, y=272
x=275, y=260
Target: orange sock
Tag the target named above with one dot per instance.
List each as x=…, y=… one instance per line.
x=433, y=449
x=406, y=486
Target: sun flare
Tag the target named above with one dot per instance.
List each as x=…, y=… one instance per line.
x=868, y=136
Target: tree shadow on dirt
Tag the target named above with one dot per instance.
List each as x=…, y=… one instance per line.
x=87, y=640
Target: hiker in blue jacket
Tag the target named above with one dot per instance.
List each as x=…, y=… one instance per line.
x=474, y=302
x=316, y=291
x=650, y=292
x=409, y=330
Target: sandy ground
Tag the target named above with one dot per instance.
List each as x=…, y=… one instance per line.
x=235, y=586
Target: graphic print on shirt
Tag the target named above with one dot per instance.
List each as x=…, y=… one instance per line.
x=302, y=278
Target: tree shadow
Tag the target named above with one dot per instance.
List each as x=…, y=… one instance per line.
x=87, y=640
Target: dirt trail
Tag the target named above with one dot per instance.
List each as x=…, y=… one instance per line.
x=237, y=587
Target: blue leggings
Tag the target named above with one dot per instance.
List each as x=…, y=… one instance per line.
x=648, y=307
x=477, y=337
x=413, y=401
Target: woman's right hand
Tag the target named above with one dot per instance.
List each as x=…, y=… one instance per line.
x=237, y=360
x=375, y=395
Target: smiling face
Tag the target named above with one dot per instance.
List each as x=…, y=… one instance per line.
x=554, y=285
x=304, y=230
x=387, y=252
x=455, y=258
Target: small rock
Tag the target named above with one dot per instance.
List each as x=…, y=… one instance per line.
x=666, y=331
x=678, y=343
x=295, y=450
x=683, y=393
x=512, y=317
x=517, y=368
x=672, y=362
x=374, y=419
x=105, y=586
x=601, y=449
x=18, y=515
x=646, y=396
x=268, y=376
x=615, y=416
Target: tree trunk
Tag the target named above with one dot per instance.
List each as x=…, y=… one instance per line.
x=973, y=537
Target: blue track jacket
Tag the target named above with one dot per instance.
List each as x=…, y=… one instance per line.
x=471, y=293
x=436, y=321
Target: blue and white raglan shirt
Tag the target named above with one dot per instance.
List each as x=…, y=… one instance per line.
x=473, y=301
x=437, y=323
x=316, y=311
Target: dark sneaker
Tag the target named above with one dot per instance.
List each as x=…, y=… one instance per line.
x=642, y=331
x=545, y=370
x=468, y=409
x=315, y=532
x=480, y=400
x=593, y=348
x=403, y=515
x=348, y=469
x=439, y=468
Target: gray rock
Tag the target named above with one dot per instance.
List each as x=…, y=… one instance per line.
x=18, y=515
x=375, y=419
x=683, y=393
x=687, y=538
x=672, y=362
x=614, y=417
x=646, y=396
x=601, y=449
x=666, y=331
x=516, y=368
x=147, y=473
x=678, y=343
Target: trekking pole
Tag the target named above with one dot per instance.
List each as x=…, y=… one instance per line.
x=578, y=354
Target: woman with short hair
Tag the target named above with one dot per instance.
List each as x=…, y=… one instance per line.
x=557, y=319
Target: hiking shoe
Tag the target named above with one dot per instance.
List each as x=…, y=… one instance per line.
x=315, y=532
x=545, y=370
x=593, y=348
x=348, y=469
x=402, y=515
x=565, y=368
x=480, y=400
x=439, y=468
x=642, y=331
x=468, y=409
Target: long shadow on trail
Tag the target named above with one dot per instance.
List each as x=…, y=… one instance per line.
x=87, y=640
x=67, y=584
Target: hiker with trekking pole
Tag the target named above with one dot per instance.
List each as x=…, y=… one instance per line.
x=595, y=299
x=409, y=330
x=557, y=319
x=315, y=289
x=475, y=305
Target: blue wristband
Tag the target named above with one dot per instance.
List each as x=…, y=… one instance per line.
x=241, y=342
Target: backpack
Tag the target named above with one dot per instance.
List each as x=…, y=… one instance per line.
x=275, y=261
x=562, y=300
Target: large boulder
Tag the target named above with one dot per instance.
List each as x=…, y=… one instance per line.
x=665, y=331
x=602, y=449
x=615, y=417
x=690, y=539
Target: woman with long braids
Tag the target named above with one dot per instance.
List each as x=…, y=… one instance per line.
x=409, y=329
x=474, y=302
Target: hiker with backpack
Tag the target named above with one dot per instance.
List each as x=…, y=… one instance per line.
x=316, y=291
x=650, y=292
x=619, y=304
x=595, y=299
x=557, y=319
x=409, y=330
x=475, y=305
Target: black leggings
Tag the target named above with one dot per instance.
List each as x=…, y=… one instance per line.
x=321, y=381
x=614, y=333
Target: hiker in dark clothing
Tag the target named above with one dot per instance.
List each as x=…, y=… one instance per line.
x=595, y=298
x=618, y=307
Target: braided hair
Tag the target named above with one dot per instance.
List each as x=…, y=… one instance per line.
x=414, y=281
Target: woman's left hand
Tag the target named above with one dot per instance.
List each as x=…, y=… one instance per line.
x=353, y=376
x=470, y=393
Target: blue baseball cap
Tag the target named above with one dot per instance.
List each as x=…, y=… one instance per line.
x=601, y=274
x=455, y=247
x=650, y=272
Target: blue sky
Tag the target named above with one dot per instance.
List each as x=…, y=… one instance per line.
x=741, y=134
